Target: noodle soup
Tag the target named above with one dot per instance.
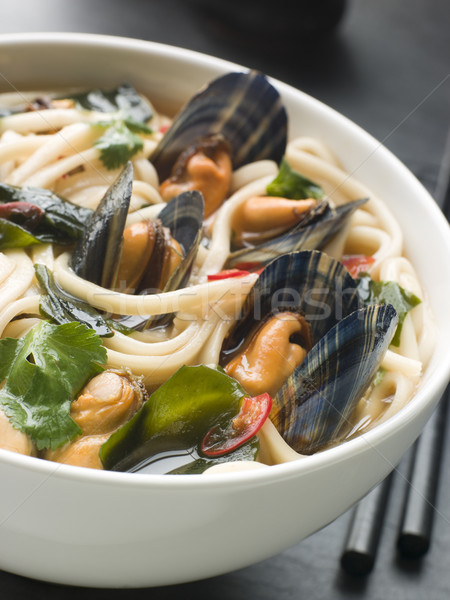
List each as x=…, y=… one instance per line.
x=172, y=285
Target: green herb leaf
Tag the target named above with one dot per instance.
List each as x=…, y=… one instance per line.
x=177, y=416
x=118, y=145
x=61, y=307
x=124, y=98
x=387, y=292
x=129, y=114
x=13, y=235
x=290, y=184
x=136, y=126
x=44, y=371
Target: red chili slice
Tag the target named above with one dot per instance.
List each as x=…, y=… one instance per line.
x=227, y=273
x=357, y=263
x=24, y=213
x=252, y=415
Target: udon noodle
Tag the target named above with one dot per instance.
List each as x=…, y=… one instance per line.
x=55, y=149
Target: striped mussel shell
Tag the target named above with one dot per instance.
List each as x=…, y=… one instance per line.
x=308, y=282
x=312, y=232
x=183, y=217
x=243, y=108
x=97, y=252
x=312, y=409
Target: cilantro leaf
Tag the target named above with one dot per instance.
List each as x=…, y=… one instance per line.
x=137, y=126
x=128, y=118
x=387, y=292
x=290, y=184
x=118, y=145
x=44, y=371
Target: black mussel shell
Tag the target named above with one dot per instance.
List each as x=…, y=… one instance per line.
x=183, y=216
x=312, y=409
x=313, y=232
x=96, y=256
x=244, y=108
x=309, y=282
x=181, y=219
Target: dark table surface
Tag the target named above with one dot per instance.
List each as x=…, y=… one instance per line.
x=387, y=67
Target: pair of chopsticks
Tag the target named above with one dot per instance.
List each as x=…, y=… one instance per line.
x=414, y=535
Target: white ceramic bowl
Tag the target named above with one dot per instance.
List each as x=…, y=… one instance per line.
x=77, y=526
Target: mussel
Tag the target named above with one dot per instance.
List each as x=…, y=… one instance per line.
x=313, y=407
x=206, y=166
x=238, y=118
x=309, y=282
x=96, y=255
x=318, y=226
x=162, y=257
x=171, y=241
x=106, y=402
x=345, y=345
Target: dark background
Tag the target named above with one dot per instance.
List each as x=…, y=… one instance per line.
x=386, y=66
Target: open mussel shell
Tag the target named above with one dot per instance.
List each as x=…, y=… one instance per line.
x=96, y=255
x=309, y=282
x=313, y=232
x=183, y=216
x=180, y=220
x=312, y=409
x=243, y=108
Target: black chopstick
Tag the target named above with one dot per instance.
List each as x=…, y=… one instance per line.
x=359, y=553
x=442, y=192
x=417, y=519
x=360, y=548
x=414, y=535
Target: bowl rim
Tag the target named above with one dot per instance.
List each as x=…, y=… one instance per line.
x=275, y=473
